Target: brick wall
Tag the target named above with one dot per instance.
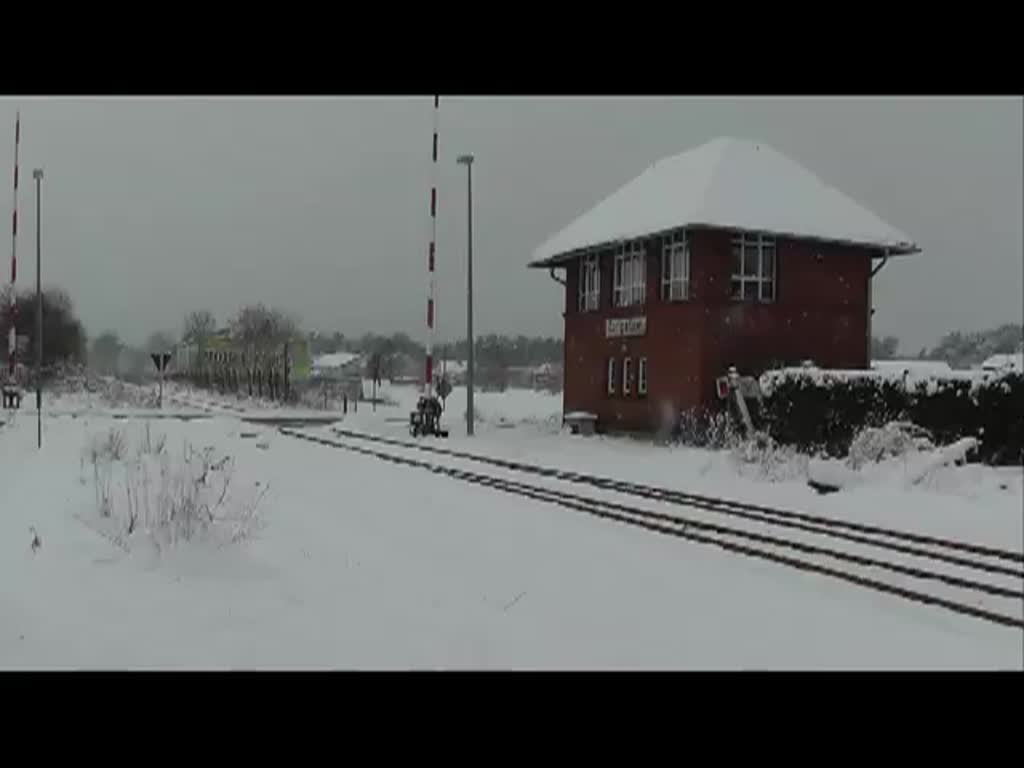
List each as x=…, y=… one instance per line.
x=820, y=313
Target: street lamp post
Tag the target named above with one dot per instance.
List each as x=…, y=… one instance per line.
x=467, y=160
x=37, y=174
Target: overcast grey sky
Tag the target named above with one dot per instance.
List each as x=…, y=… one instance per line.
x=152, y=207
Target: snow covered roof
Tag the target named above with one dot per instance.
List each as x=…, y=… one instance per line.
x=1002, y=362
x=335, y=360
x=729, y=183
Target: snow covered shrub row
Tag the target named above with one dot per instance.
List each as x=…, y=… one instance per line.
x=819, y=413
x=105, y=391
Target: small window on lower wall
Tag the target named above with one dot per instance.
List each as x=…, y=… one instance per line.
x=641, y=377
x=611, y=375
x=627, y=375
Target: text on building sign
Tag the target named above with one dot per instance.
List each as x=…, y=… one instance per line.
x=625, y=326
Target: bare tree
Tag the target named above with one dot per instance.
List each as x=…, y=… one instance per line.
x=199, y=327
x=106, y=350
x=260, y=327
x=161, y=341
x=63, y=335
x=885, y=348
x=964, y=349
x=261, y=331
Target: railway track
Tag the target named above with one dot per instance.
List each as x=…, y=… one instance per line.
x=941, y=548
x=228, y=409
x=983, y=582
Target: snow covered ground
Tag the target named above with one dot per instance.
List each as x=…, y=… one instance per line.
x=361, y=564
x=971, y=502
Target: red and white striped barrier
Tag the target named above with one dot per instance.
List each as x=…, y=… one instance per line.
x=12, y=340
x=428, y=383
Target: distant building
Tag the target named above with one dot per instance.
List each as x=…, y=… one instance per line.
x=220, y=351
x=339, y=372
x=730, y=254
x=547, y=376
x=337, y=365
x=1005, y=362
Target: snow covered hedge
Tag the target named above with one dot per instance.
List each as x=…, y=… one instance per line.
x=822, y=411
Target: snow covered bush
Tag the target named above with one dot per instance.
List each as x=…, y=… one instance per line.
x=706, y=429
x=110, y=446
x=171, y=498
x=114, y=393
x=897, y=438
x=84, y=389
x=147, y=445
x=762, y=458
x=103, y=451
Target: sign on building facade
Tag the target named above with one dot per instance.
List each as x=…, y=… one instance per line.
x=625, y=326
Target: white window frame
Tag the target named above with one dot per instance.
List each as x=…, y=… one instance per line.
x=610, y=385
x=627, y=375
x=589, y=283
x=629, y=275
x=675, y=266
x=641, y=376
x=755, y=245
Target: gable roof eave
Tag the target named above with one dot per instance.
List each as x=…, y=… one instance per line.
x=560, y=259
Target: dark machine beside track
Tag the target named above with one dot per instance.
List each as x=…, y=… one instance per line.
x=426, y=419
